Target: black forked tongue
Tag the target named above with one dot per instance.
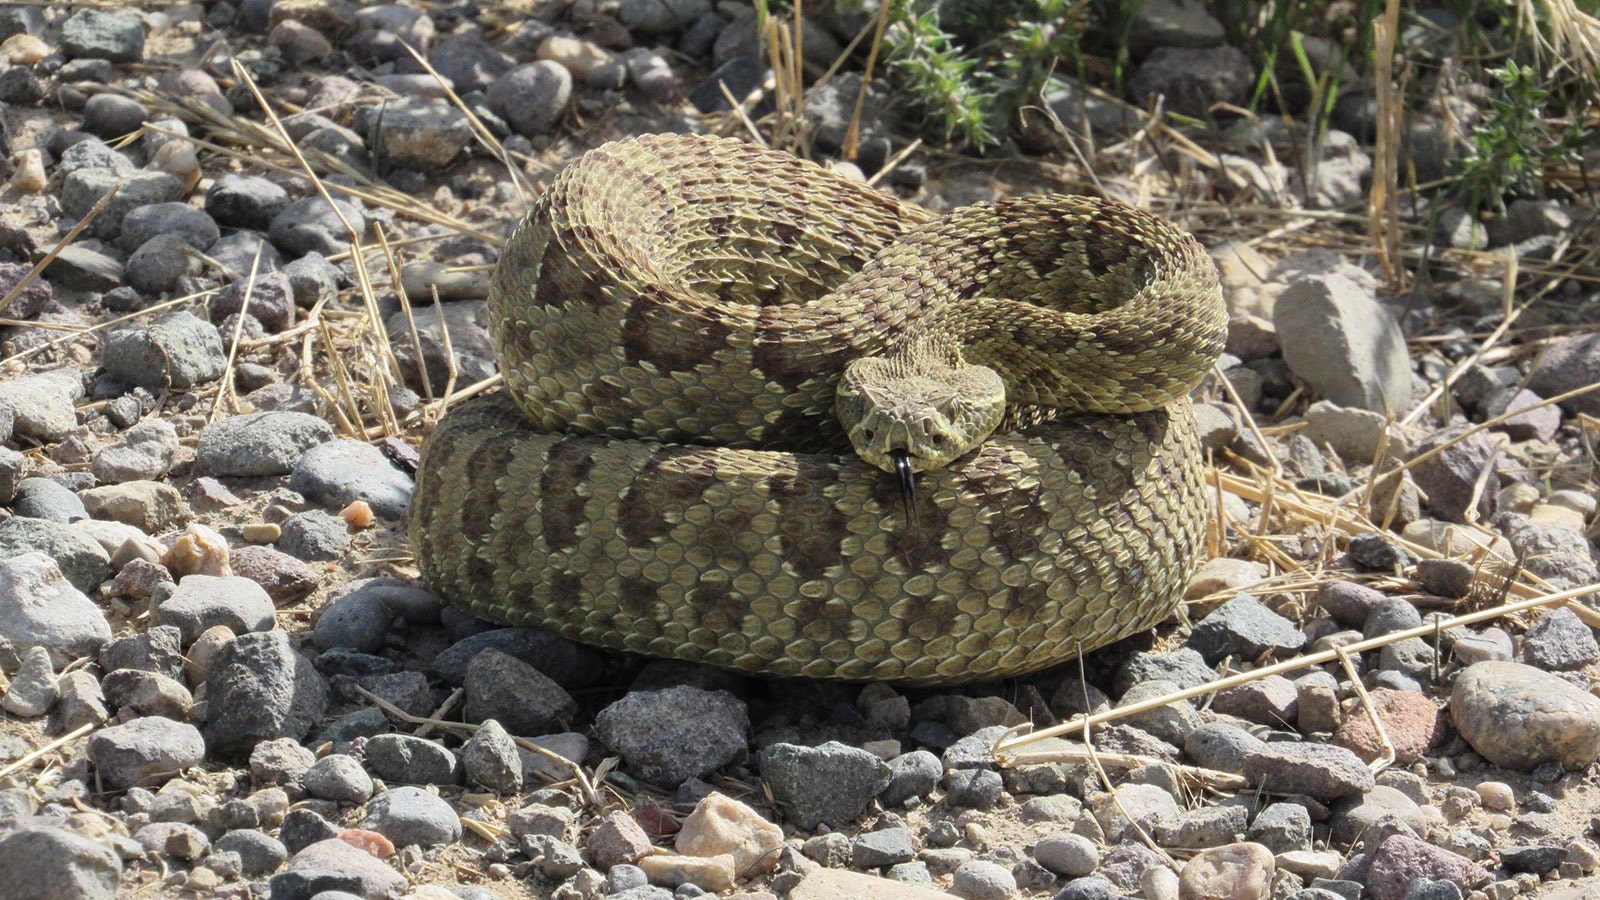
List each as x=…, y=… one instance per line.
x=908, y=484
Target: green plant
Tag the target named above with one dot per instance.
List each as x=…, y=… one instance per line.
x=971, y=65
x=1511, y=146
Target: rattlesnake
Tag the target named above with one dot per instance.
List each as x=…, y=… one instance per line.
x=665, y=472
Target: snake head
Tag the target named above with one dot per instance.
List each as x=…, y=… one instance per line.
x=921, y=406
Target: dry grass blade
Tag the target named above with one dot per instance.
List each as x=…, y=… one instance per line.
x=583, y=780
x=28, y=759
x=1573, y=36
x=66, y=241
x=1011, y=740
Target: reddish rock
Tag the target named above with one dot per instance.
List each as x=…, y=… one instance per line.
x=1401, y=859
x=1410, y=719
x=617, y=839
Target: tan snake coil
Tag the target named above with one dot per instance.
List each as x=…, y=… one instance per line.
x=672, y=319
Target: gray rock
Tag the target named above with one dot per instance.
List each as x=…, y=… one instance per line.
x=1449, y=477
x=1221, y=746
x=658, y=16
x=1092, y=888
x=913, y=774
x=76, y=556
x=178, y=350
x=80, y=703
x=1530, y=418
x=260, y=689
x=11, y=463
x=147, y=693
x=238, y=250
x=1282, y=828
x=1273, y=701
x=259, y=854
x=33, y=299
x=1171, y=722
x=280, y=761
x=42, y=405
x=83, y=188
x=256, y=444
x=203, y=601
x=739, y=75
x=1451, y=578
x=469, y=61
x=1067, y=854
x=1356, y=435
x=469, y=340
x=33, y=688
x=157, y=649
x=1244, y=629
x=410, y=815
x=174, y=840
x=1566, y=365
x=525, y=700
x=58, y=864
x=407, y=759
x=1359, y=818
x=116, y=35
x=303, y=827
x=980, y=879
x=1344, y=344
x=358, y=620
x=833, y=783
x=195, y=227
x=1204, y=826
x=1373, y=552
x=314, y=535
x=1173, y=23
x=145, y=751
x=973, y=788
x=245, y=201
x=333, y=865
x=146, y=451
x=44, y=498
x=309, y=225
x=340, y=472
x=490, y=759
x=886, y=847
x=537, y=818
x=339, y=778
x=570, y=665
x=417, y=133
x=1192, y=79
x=1558, y=553
x=149, y=506
x=313, y=280
x=113, y=115
x=532, y=97
x=79, y=267
x=1490, y=643
x=1322, y=771
x=1391, y=614
x=39, y=607
x=270, y=296
x=1520, y=717
x=1184, y=667
x=652, y=74
x=669, y=736
x=1560, y=642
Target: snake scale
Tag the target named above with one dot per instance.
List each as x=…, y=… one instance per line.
x=695, y=334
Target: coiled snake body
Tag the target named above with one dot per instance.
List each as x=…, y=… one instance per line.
x=670, y=469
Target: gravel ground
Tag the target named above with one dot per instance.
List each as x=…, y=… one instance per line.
x=222, y=678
